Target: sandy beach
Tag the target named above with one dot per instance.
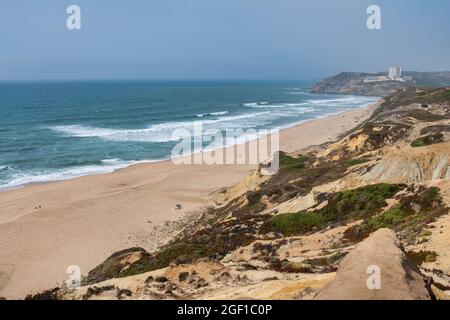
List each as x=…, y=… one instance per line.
x=47, y=227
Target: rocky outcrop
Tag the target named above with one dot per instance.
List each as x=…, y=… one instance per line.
x=353, y=83
x=402, y=164
x=400, y=279
x=117, y=263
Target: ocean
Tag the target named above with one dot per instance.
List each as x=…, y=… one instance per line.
x=61, y=130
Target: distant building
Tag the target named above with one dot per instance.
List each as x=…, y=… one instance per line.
x=395, y=73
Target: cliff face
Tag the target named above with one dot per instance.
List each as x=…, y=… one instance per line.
x=325, y=210
x=353, y=83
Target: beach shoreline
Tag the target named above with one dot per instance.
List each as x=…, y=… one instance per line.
x=46, y=227
x=116, y=168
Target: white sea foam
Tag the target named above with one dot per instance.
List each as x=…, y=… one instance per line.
x=219, y=113
x=327, y=101
x=113, y=161
x=350, y=100
x=161, y=132
x=109, y=165
x=254, y=104
x=293, y=112
x=296, y=91
x=276, y=105
x=22, y=178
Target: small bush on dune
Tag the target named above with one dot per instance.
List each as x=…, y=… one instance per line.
x=420, y=257
x=428, y=140
x=291, y=163
x=297, y=223
x=180, y=252
x=388, y=219
x=354, y=162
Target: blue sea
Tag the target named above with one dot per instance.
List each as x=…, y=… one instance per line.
x=60, y=130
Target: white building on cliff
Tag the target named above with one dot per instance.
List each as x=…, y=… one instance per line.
x=395, y=73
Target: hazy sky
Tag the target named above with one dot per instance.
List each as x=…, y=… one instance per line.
x=219, y=39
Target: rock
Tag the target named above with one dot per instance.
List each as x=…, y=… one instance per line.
x=94, y=291
x=161, y=279
x=117, y=263
x=400, y=278
x=270, y=279
x=160, y=286
x=353, y=83
x=44, y=295
x=200, y=283
x=170, y=286
x=183, y=276
x=439, y=294
x=123, y=292
x=224, y=276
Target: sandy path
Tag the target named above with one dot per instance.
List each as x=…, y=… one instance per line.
x=45, y=228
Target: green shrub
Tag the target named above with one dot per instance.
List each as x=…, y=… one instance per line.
x=358, y=203
x=388, y=219
x=342, y=207
x=445, y=95
x=422, y=256
x=428, y=140
x=297, y=223
x=178, y=252
x=292, y=163
x=354, y=162
x=409, y=216
x=429, y=196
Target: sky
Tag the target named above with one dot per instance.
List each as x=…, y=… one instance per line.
x=219, y=39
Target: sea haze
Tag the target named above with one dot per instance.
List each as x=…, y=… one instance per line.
x=60, y=130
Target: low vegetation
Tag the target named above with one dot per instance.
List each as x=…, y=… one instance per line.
x=343, y=206
x=408, y=217
x=428, y=140
x=214, y=241
x=418, y=258
x=354, y=162
x=177, y=252
x=445, y=95
x=291, y=163
x=297, y=223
